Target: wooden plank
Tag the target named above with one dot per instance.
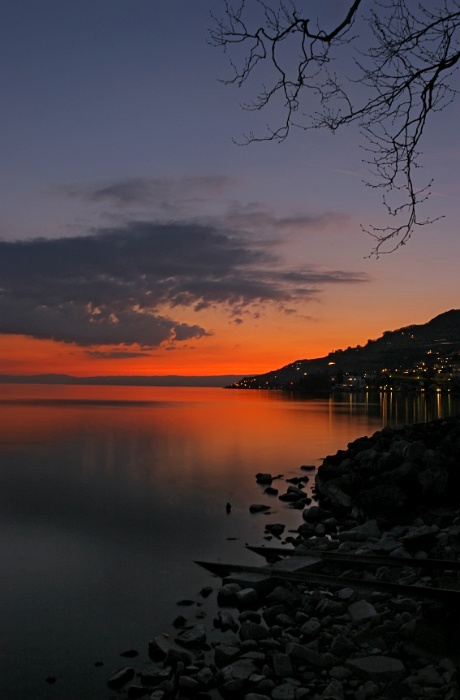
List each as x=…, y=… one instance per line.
x=444, y=594
x=352, y=559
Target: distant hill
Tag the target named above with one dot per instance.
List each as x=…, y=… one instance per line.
x=400, y=348
x=169, y=380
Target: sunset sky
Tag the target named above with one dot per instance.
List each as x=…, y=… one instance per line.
x=137, y=237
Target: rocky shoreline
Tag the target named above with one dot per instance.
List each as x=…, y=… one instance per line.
x=395, y=494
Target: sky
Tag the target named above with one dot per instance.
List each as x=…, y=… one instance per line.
x=139, y=237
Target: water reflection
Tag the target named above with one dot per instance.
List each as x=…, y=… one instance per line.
x=397, y=408
x=108, y=494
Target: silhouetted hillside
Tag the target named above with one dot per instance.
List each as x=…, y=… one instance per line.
x=399, y=350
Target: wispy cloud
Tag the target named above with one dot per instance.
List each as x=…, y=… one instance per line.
x=207, y=199
x=115, y=354
x=161, y=196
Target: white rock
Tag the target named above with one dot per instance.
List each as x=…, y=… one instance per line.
x=361, y=610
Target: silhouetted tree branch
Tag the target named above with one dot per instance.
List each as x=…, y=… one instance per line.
x=389, y=78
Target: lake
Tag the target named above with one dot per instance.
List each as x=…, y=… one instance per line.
x=108, y=495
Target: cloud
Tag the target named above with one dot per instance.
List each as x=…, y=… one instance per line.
x=167, y=196
x=115, y=354
x=258, y=217
x=136, y=283
x=203, y=199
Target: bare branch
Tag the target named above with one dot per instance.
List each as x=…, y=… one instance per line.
x=404, y=56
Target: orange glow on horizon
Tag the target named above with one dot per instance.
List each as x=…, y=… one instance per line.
x=254, y=347
x=23, y=355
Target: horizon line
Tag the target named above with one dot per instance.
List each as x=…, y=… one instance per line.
x=123, y=379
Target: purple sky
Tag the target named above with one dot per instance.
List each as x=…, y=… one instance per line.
x=115, y=131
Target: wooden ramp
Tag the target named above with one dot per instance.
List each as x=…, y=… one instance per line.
x=310, y=576
x=352, y=559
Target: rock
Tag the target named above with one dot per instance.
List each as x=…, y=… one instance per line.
x=335, y=494
x=296, y=489
x=225, y=654
x=252, y=615
x=246, y=598
x=252, y=630
x=340, y=673
x=422, y=538
x=281, y=621
x=369, y=689
x=311, y=628
x=300, y=504
x=270, y=614
x=158, y=647
x=377, y=668
x=306, y=655
x=414, y=451
x=206, y=591
x=429, y=676
x=314, y=514
x=258, y=508
x=333, y=691
x=275, y=529
x=226, y=596
x=193, y=638
x=290, y=497
x=345, y=593
x=175, y=656
x=361, y=610
x=286, y=691
x=158, y=694
x=241, y=669
x=342, y=646
x=284, y=596
x=361, y=533
x=120, y=678
x=205, y=677
x=155, y=674
x=271, y=491
x=233, y=689
x=179, y=621
x=302, y=694
x=188, y=684
x=282, y=665
x=384, y=500
x=225, y=621
x=262, y=478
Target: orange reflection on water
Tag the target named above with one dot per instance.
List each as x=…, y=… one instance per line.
x=169, y=432
x=176, y=432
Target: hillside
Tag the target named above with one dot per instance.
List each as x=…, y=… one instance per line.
x=431, y=345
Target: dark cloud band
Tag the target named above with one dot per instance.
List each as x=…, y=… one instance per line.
x=114, y=286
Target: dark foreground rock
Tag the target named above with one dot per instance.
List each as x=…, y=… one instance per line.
x=292, y=641
x=395, y=474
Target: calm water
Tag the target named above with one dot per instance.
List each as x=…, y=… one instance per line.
x=108, y=494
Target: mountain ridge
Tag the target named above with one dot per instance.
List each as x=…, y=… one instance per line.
x=400, y=349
